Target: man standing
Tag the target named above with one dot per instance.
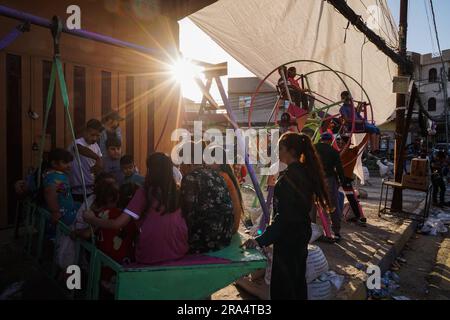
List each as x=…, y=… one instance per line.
x=332, y=167
x=112, y=130
x=439, y=170
x=349, y=156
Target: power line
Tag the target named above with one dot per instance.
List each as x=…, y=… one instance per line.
x=385, y=14
x=433, y=48
x=342, y=7
x=380, y=27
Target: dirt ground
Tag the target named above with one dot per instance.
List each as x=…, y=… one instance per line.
x=16, y=268
x=359, y=244
x=425, y=272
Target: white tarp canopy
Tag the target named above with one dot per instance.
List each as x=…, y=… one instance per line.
x=263, y=34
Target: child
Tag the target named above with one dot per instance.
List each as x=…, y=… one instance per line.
x=90, y=156
x=117, y=244
x=328, y=126
x=347, y=112
x=156, y=208
x=80, y=225
x=111, y=160
x=298, y=109
x=59, y=203
x=129, y=171
x=57, y=195
x=112, y=130
x=28, y=186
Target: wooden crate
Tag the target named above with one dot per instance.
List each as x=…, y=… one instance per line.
x=419, y=167
x=415, y=182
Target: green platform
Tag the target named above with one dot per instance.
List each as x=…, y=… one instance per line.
x=152, y=283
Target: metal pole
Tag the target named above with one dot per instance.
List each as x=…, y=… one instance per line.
x=397, y=199
x=35, y=20
x=251, y=170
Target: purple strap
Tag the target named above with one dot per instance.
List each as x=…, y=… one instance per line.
x=35, y=20
x=10, y=38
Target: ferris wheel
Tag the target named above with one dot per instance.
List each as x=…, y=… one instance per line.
x=301, y=107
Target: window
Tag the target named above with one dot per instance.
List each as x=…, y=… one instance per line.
x=432, y=75
x=244, y=102
x=79, y=99
x=106, y=93
x=130, y=115
x=51, y=125
x=432, y=104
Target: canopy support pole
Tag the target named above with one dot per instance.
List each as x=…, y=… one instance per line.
x=264, y=205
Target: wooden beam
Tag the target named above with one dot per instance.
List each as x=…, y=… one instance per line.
x=401, y=128
x=178, y=9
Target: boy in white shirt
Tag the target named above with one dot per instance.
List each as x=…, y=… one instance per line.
x=90, y=156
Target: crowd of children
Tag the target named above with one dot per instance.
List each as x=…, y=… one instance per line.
x=156, y=219
x=171, y=212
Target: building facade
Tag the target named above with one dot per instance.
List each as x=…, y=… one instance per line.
x=100, y=78
x=240, y=92
x=427, y=73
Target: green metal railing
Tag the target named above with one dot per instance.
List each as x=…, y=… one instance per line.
x=150, y=282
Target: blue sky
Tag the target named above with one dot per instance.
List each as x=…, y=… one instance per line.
x=418, y=27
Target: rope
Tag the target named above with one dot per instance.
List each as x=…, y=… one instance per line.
x=362, y=65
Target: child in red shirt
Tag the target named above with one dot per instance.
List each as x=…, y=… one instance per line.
x=298, y=108
x=117, y=244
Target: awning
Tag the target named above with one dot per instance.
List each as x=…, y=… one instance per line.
x=263, y=34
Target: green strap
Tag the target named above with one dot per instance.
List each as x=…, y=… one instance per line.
x=65, y=98
x=57, y=70
x=48, y=106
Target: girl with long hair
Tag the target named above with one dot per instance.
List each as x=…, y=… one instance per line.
x=297, y=189
x=163, y=234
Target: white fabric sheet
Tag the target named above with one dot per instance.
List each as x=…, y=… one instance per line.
x=264, y=34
